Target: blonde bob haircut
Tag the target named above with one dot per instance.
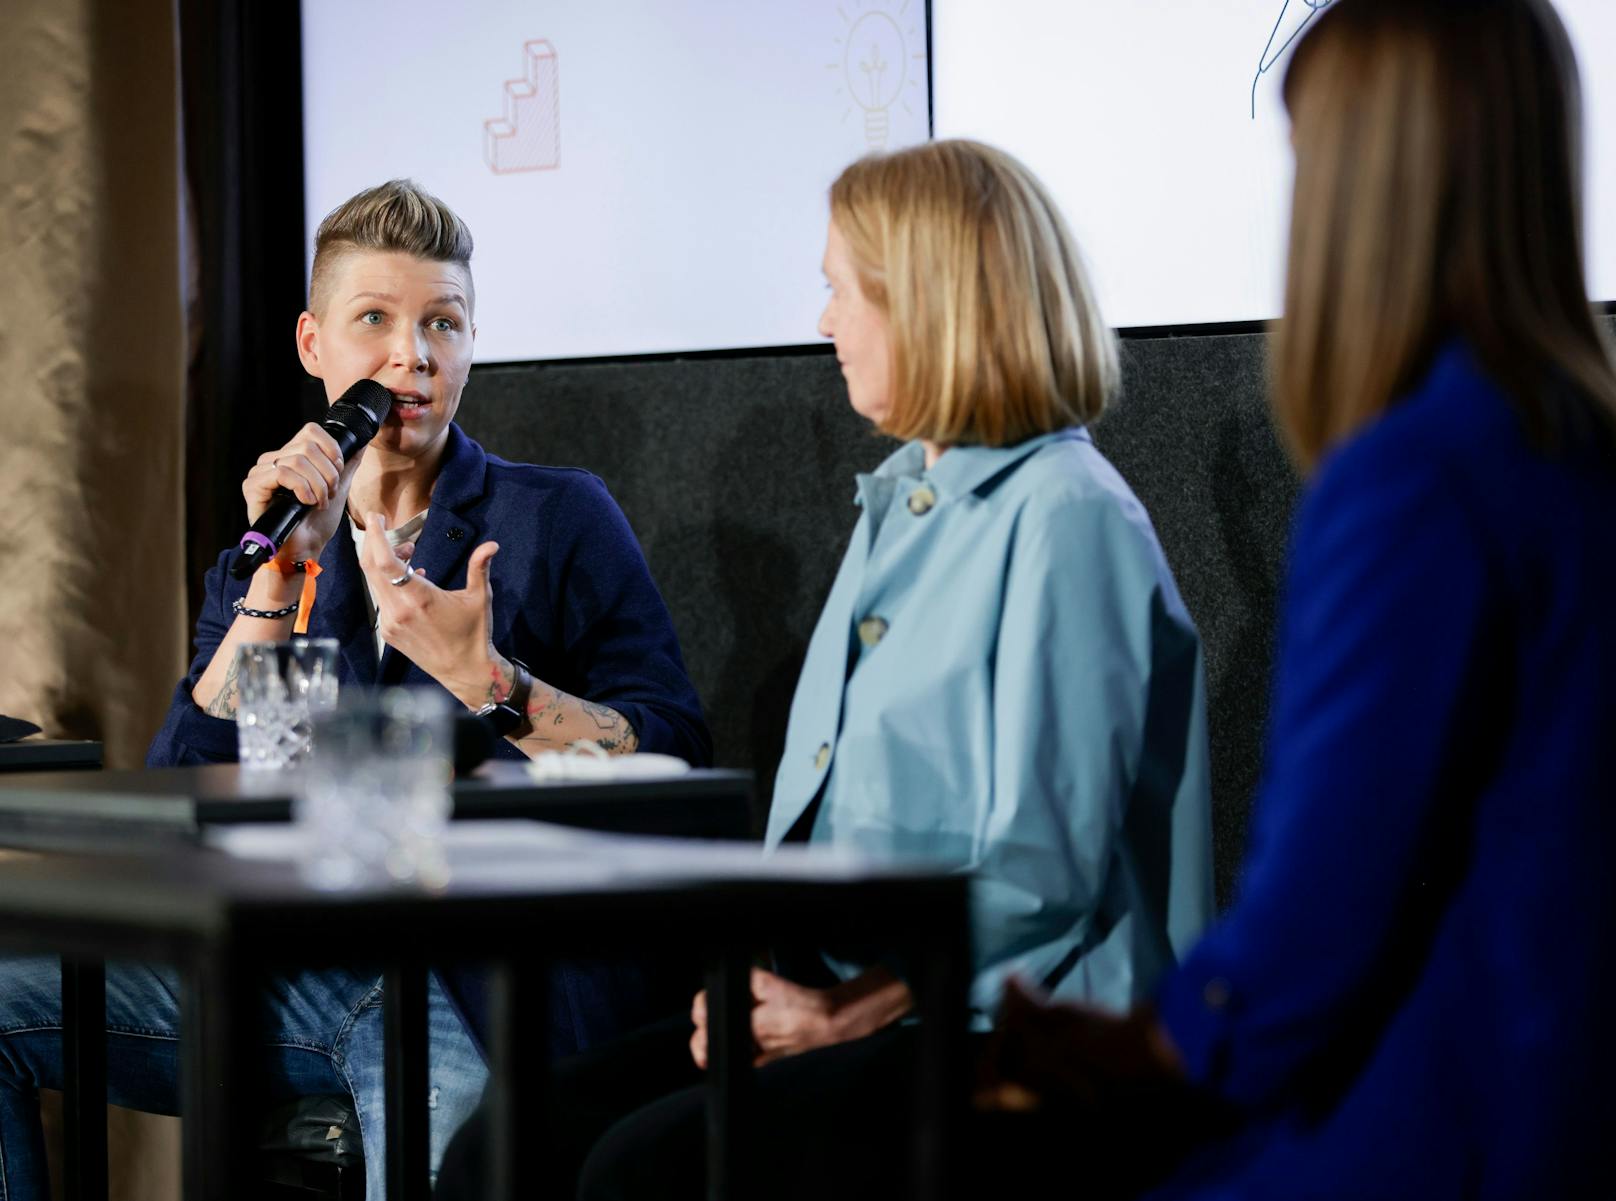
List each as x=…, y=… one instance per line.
x=1437, y=194
x=995, y=336
x=399, y=216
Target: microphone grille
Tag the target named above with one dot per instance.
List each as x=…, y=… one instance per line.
x=363, y=408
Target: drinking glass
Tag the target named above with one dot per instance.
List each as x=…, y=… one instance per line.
x=281, y=687
x=373, y=799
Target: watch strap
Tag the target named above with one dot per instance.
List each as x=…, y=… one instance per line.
x=521, y=690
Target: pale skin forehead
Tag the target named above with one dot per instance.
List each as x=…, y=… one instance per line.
x=354, y=275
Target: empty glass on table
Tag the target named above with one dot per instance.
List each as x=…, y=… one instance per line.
x=282, y=686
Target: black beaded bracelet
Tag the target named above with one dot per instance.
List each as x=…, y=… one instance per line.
x=240, y=606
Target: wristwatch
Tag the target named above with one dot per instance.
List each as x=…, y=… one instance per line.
x=509, y=717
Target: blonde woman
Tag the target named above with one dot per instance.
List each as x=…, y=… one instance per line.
x=1413, y=996
x=1003, y=679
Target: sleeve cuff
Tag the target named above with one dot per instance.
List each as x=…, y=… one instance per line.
x=1196, y=1006
x=658, y=734
x=192, y=736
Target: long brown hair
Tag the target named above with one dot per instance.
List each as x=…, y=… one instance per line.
x=1438, y=193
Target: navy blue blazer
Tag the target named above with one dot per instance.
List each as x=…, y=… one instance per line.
x=573, y=599
x=1414, y=994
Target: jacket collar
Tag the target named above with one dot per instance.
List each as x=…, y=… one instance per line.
x=462, y=474
x=958, y=472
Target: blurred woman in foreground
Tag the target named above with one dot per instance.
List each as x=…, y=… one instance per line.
x=1413, y=995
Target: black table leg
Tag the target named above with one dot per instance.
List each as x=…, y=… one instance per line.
x=220, y=1058
x=519, y=1050
x=942, y=1075
x=729, y=1075
x=409, y=1141
x=84, y=1078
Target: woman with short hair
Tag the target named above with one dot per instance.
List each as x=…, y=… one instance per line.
x=1411, y=998
x=414, y=595
x=1003, y=675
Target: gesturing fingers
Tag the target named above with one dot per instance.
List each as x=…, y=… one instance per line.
x=386, y=564
x=477, y=569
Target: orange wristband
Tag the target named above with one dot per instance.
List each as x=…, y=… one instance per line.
x=305, y=602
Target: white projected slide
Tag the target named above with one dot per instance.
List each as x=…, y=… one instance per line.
x=640, y=176
x=1159, y=126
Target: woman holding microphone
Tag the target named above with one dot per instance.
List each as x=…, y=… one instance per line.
x=562, y=629
x=562, y=632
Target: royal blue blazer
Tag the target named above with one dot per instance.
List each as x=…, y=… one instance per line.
x=1414, y=994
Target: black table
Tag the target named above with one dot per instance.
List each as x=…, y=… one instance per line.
x=50, y=754
x=111, y=811
x=225, y=923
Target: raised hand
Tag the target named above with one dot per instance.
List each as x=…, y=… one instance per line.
x=444, y=633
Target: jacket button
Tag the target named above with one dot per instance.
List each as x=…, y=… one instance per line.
x=921, y=500
x=1216, y=993
x=822, y=756
x=455, y=533
x=871, y=630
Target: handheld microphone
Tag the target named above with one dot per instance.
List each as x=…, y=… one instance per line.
x=352, y=422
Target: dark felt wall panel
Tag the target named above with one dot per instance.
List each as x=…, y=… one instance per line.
x=737, y=475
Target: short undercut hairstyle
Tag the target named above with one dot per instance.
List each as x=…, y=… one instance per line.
x=996, y=336
x=399, y=216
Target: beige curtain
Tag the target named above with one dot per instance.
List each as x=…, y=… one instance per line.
x=92, y=359
x=92, y=409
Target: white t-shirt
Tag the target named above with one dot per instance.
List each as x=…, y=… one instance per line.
x=408, y=532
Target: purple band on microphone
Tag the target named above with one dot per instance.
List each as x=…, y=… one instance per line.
x=255, y=537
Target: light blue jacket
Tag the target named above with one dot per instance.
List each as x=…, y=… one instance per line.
x=1005, y=680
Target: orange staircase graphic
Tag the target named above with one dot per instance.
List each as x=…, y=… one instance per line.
x=528, y=136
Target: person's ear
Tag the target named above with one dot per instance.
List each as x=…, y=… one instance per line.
x=308, y=343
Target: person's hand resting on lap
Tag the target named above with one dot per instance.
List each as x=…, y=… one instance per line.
x=788, y=1019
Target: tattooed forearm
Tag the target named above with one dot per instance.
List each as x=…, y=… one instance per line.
x=613, y=733
x=604, y=718
x=559, y=719
x=227, y=699
x=618, y=737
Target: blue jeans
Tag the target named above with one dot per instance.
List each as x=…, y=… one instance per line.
x=322, y=1035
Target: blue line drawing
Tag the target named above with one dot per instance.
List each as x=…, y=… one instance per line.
x=1300, y=12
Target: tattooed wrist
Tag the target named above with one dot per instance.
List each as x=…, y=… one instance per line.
x=502, y=680
x=227, y=700
x=560, y=719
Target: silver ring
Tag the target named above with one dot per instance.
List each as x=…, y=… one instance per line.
x=409, y=574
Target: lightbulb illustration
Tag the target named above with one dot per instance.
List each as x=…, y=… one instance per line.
x=875, y=63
